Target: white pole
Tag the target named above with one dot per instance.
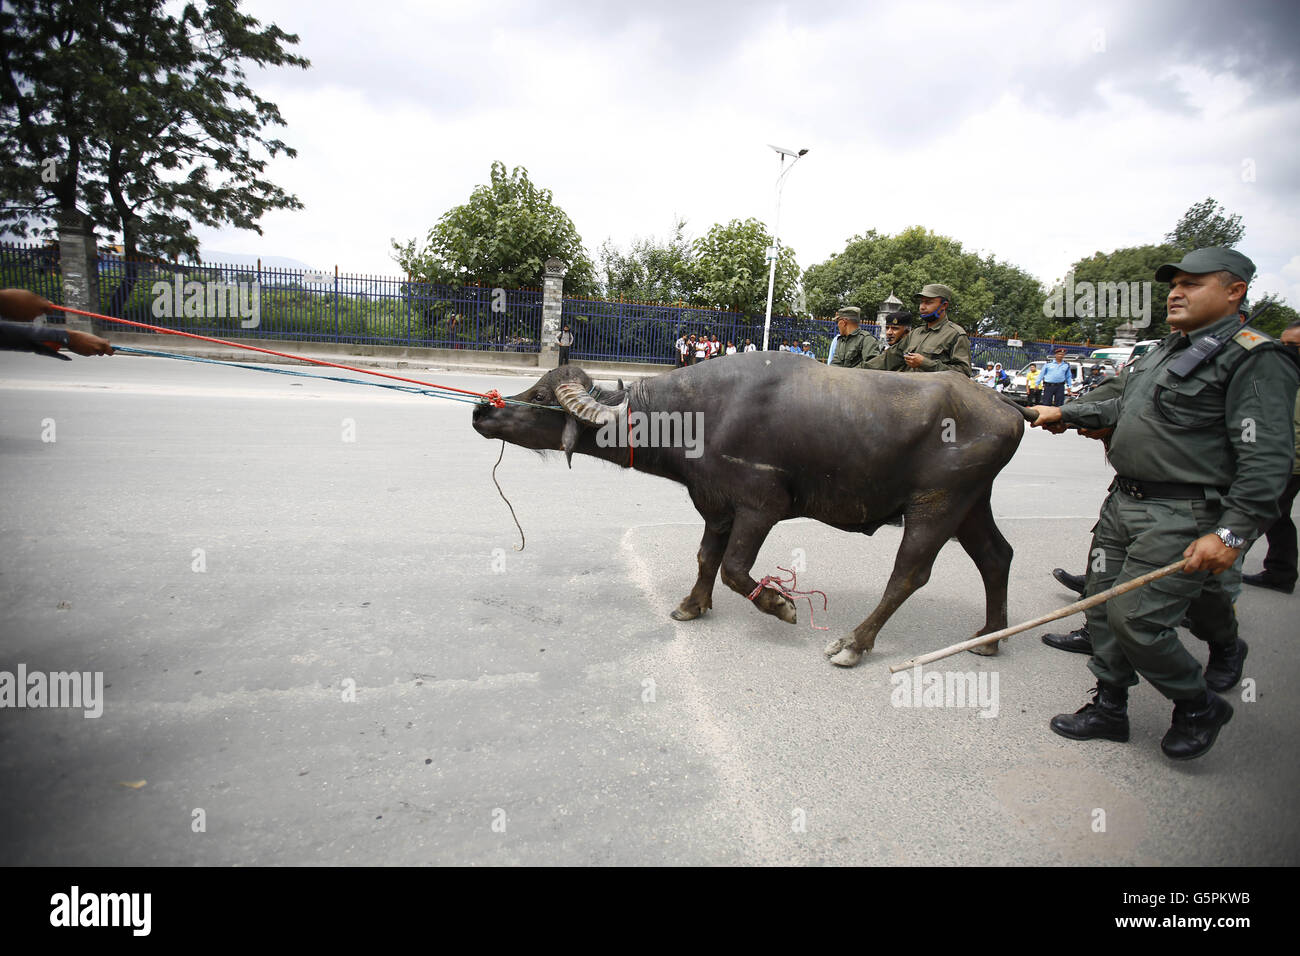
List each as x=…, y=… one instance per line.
x=775, y=248
x=771, y=281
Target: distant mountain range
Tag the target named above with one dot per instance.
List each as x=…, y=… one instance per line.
x=217, y=257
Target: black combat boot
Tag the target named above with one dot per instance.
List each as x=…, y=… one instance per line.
x=1266, y=580
x=1225, y=665
x=1196, y=723
x=1077, y=642
x=1075, y=582
x=1105, y=717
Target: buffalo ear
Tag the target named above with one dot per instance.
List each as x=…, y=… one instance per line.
x=572, y=429
x=620, y=385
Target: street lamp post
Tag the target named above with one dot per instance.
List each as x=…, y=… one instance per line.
x=774, y=250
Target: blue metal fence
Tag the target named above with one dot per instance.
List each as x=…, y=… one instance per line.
x=984, y=350
x=300, y=304
x=320, y=306
x=34, y=267
x=647, y=332
x=254, y=301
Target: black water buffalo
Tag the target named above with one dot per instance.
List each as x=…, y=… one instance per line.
x=783, y=437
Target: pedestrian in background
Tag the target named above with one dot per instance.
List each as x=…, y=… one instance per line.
x=564, y=340
x=1056, y=377
x=1033, y=390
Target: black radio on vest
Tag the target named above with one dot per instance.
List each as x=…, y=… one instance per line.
x=1200, y=352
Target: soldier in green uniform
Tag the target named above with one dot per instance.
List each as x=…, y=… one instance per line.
x=1212, y=615
x=939, y=344
x=897, y=325
x=1280, y=571
x=1202, y=447
x=854, y=345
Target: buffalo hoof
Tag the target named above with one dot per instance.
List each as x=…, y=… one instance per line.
x=848, y=657
x=837, y=645
x=686, y=614
x=785, y=610
x=986, y=650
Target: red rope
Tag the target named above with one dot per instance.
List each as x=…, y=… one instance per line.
x=779, y=584
x=493, y=396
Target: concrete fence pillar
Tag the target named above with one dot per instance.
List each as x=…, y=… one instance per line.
x=79, y=267
x=552, y=312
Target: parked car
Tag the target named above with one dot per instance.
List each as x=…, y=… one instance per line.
x=1117, y=355
x=1141, y=348
x=1020, y=392
x=1079, y=386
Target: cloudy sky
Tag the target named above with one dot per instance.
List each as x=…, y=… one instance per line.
x=1037, y=131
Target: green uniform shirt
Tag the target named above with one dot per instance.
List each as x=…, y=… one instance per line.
x=855, y=348
x=891, y=359
x=1222, y=426
x=943, y=347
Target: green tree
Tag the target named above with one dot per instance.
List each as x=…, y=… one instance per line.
x=140, y=117
x=732, y=267
x=1016, y=307
x=1134, y=264
x=501, y=237
x=1206, y=223
x=1277, y=318
x=650, y=270
x=989, y=297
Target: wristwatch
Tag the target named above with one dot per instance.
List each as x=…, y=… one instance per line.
x=1229, y=539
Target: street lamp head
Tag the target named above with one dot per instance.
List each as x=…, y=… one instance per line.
x=795, y=153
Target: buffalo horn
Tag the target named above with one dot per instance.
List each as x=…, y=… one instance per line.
x=577, y=401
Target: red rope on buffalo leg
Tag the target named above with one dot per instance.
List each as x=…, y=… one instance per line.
x=786, y=586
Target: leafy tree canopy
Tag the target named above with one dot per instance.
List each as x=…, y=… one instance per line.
x=989, y=297
x=1277, y=318
x=1205, y=224
x=139, y=114
x=732, y=268
x=651, y=270
x=501, y=237
x=1132, y=267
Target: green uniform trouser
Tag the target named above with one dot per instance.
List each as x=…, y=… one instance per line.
x=1136, y=633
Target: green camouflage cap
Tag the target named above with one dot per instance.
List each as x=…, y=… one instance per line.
x=850, y=312
x=1214, y=259
x=935, y=291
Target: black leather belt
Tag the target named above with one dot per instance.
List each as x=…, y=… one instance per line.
x=1159, y=489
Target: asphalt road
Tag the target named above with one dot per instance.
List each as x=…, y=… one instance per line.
x=327, y=651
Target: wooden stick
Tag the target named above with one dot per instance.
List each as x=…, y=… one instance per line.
x=1076, y=607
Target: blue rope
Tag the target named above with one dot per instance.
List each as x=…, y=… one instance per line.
x=435, y=392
